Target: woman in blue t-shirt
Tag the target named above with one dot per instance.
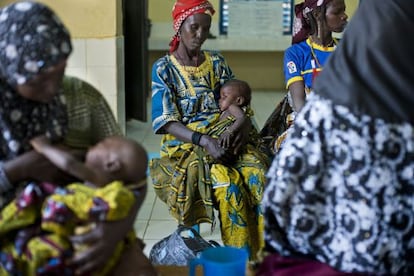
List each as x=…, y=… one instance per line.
x=312, y=43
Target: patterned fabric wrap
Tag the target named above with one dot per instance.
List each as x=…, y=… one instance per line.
x=187, y=178
x=32, y=248
x=183, y=9
x=301, y=26
x=31, y=40
x=341, y=191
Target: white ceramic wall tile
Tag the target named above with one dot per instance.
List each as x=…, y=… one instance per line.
x=120, y=76
x=121, y=113
x=120, y=51
x=105, y=78
x=79, y=72
x=78, y=57
x=120, y=70
x=101, y=52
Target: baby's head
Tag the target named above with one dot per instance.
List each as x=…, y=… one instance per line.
x=236, y=92
x=118, y=158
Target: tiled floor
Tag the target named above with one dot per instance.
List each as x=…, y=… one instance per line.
x=153, y=221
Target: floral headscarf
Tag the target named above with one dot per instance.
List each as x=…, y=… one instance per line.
x=301, y=27
x=183, y=9
x=32, y=39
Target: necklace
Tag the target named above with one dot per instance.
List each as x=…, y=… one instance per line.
x=315, y=58
x=191, y=70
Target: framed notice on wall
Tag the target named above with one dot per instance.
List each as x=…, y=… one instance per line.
x=256, y=18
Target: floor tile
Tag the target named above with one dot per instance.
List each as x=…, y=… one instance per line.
x=207, y=234
x=145, y=212
x=150, y=196
x=149, y=243
x=158, y=229
x=160, y=211
x=140, y=226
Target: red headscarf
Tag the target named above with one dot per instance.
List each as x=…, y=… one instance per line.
x=301, y=27
x=183, y=9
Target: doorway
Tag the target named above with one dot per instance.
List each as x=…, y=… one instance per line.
x=136, y=26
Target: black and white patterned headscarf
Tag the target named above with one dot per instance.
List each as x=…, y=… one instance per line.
x=32, y=39
x=370, y=73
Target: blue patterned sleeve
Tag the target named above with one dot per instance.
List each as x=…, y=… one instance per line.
x=292, y=66
x=222, y=72
x=164, y=109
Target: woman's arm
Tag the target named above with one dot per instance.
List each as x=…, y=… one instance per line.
x=237, y=113
x=293, y=65
x=225, y=139
x=297, y=91
x=209, y=143
x=34, y=166
x=242, y=136
x=63, y=159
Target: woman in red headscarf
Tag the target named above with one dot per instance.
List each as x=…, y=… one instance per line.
x=312, y=44
x=185, y=109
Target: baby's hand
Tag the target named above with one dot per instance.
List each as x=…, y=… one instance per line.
x=225, y=139
x=40, y=142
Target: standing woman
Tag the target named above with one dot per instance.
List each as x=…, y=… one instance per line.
x=312, y=44
x=185, y=91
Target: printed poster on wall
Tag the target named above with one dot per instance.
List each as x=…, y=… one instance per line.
x=259, y=18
